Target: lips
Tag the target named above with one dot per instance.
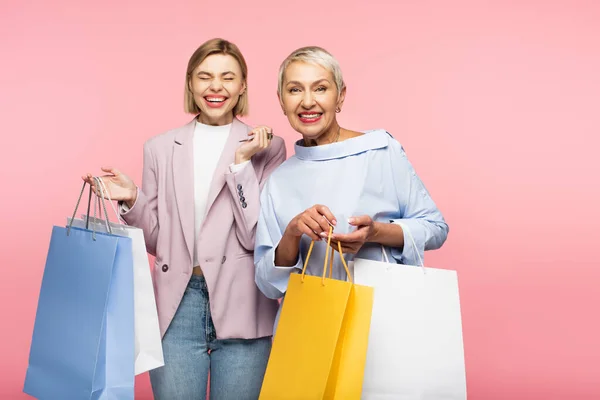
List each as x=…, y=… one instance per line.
x=215, y=101
x=310, y=117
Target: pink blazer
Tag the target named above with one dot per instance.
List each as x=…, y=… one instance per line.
x=164, y=209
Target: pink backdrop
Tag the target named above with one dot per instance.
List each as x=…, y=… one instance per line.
x=497, y=105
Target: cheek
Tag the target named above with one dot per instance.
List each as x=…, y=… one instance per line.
x=233, y=87
x=289, y=104
x=199, y=87
x=329, y=103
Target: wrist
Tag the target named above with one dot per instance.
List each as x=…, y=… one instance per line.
x=375, y=233
x=289, y=237
x=132, y=198
x=240, y=158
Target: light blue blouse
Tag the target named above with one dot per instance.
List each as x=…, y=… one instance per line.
x=366, y=175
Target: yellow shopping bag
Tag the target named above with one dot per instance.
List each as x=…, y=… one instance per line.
x=320, y=347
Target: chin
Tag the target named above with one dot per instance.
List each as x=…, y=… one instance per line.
x=309, y=132
x=216, y=113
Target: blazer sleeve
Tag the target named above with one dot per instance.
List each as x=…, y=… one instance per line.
x=245, y=185
x=143, y=214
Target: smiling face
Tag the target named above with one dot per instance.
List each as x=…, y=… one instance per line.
x=217, y=84
x=309, y=97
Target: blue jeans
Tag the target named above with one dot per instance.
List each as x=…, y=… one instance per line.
x=191, y=350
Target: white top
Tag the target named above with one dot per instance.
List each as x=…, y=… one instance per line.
x=209, y=142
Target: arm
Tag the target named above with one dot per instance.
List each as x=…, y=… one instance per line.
x=270, y=278
x=418, y=210
x=419, y=217
x=245, y=186
x=143, y=212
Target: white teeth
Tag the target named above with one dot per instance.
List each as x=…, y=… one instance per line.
x=310, y=115
x=213, y=100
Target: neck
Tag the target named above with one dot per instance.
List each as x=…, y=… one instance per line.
x=219, y=121
x=332, y=135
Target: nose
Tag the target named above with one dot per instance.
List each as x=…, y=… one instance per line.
x=216, y=85
x=308, y=100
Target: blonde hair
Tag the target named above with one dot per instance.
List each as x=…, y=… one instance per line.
x=314, y=55
x=208, y=48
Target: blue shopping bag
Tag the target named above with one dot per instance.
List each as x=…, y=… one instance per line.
x=83, y=338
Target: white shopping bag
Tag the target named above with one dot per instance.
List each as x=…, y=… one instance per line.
x=148, y=343
x=415, y=349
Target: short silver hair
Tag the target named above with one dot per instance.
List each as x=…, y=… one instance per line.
x=314, y=55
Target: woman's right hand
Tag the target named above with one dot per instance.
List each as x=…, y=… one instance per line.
x=311, y=222
x=119, y=186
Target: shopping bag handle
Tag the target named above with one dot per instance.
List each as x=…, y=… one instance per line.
x=405, y=228
x=327, y=258
x=101, y=197
x=102, y=204
x=106, y=195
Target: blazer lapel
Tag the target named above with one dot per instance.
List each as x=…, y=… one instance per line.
x=183, y=178
x=238, y=132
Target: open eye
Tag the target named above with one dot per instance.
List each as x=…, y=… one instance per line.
x=321, y=89
x=294, y=90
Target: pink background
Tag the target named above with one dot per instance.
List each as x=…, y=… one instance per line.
x=497, y=104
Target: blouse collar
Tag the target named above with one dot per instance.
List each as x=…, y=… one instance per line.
x=371, y=140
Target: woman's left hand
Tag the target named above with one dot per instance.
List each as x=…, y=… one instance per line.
x=262, y=139
x=353, y=242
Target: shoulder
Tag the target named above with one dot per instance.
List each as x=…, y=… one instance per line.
x=284, y=173
x=383, y=136
x=391, y=145
x=277, y=145
x=164, y=141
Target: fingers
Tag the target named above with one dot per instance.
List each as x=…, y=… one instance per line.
x=264, y=141
x=351, y=242
x=262, y=136
x=326, y=212
x=346, y=249
x=320, y=219
x=269, y=134
x=91, y=180
x=313, y=223
x=307, y=230
x=111, y=170
x=361, y=220
x=354, y=237
x=87, y=178
x=311, y=219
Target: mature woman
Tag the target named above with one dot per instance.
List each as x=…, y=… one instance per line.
x=198, y=207
x=360, y=182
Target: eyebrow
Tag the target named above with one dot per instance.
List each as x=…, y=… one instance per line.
x=314, y=83
x=208, y=73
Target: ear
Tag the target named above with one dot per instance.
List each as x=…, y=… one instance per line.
x=244, y=87
x=341, y=98
x=280, y=102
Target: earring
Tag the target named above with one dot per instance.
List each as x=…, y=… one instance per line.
x=337, y=110
x=284, y=112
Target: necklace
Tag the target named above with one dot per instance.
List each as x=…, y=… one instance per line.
x=338, y=134
x=311, y=143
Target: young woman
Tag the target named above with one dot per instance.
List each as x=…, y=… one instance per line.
x=198, y=207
